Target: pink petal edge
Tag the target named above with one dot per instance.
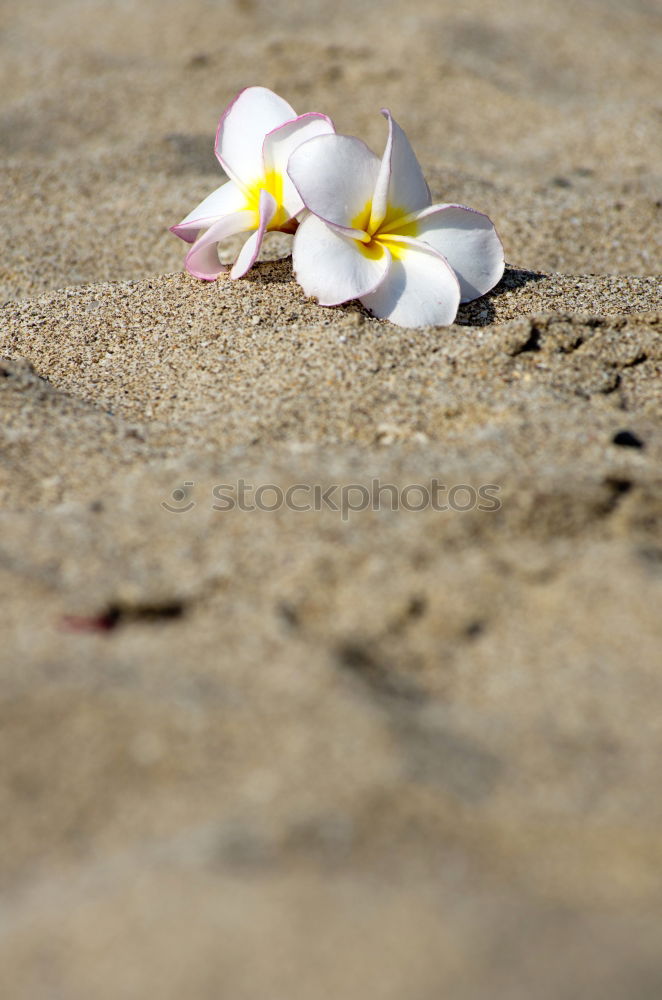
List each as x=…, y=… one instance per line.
x=307, y=114
x=267, y=210
x=380, y=194
x=424, y=248
x=189, y=237
x=228, y=109
x=431, y=209
x=218, y=135
x=238, y=222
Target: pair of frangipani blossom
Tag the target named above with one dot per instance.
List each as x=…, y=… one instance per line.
x=365, y=229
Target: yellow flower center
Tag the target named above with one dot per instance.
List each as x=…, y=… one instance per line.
x=272, y=182
x=377, y=237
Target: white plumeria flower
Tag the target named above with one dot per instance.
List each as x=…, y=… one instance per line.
x=256, y=135
x=372, y=234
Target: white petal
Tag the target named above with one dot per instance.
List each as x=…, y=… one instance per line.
x=335, y=176
x=202, y=259
x=224, y=200
x=401, y=187
x=242, y=128
x=335, y=267
x=468, y=240
x=420, y=289
x=251, y=248
x=279, y=146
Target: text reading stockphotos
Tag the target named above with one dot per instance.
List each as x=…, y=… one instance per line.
x=342, y=498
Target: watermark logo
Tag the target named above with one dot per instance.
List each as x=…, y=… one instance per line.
x=180, y=501
x=342, y=498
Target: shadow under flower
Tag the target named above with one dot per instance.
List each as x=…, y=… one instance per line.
x=271, y=272
x=481, y=312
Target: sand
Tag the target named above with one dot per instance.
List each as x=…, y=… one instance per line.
x=340, y=752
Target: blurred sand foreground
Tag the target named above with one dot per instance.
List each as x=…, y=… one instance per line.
x=264, y=755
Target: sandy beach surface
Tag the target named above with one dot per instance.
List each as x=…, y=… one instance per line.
x=367, y=754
